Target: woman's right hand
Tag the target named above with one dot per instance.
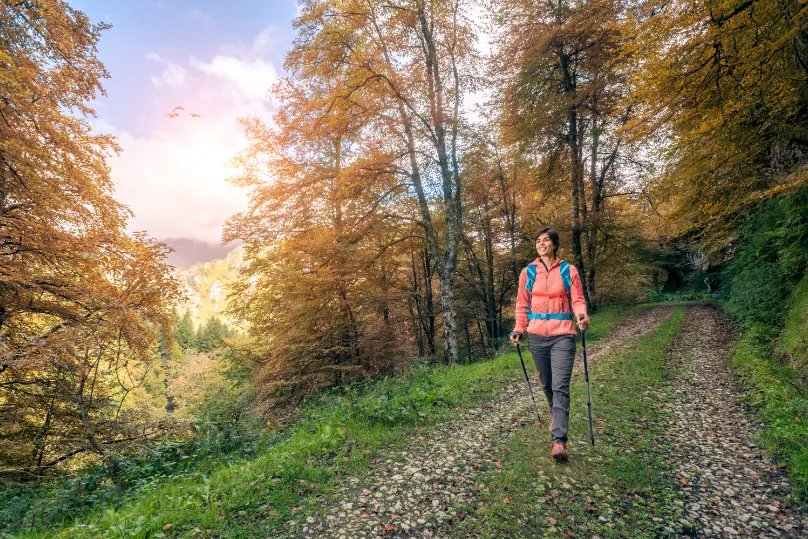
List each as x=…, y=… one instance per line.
x=515, y=337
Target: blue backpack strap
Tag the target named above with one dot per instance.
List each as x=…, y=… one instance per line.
x=531, y=278
x=549, y=316
x=564, y=268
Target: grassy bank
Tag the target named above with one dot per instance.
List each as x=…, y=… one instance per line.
x=619, y=488
x=340, y=432
x=774, y=372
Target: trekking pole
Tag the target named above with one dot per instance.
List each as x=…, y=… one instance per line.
x=527, y=379
x=586, y=377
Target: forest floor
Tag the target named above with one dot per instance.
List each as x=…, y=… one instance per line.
x=674, y=455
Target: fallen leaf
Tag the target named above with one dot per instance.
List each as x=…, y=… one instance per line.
x=507, y=500
x=167, y=527
x=683, y=480
x=553, y=522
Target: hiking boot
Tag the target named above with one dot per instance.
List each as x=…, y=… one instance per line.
x=559, y=452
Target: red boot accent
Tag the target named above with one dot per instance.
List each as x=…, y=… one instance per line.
x=559, y=452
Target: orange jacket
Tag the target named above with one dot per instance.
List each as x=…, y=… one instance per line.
x=553, y=300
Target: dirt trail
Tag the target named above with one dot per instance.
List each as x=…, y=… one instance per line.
x=414, y=493
x=731, y=489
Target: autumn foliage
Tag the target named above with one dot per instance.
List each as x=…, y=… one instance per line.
x=82, y=304
x=385, y=210
x=395, y=194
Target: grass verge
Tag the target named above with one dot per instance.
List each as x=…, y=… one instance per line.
x=619, y=488
x=781, y=407
x=341, y=432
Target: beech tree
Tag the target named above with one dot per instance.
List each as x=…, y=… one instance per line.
x=82, y=304
x=414, y=60
x=725, y=83
x=562, y=67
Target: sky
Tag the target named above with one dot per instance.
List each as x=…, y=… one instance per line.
x=213, y=58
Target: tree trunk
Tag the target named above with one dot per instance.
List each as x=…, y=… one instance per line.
x=449, y=317
x=482, y=336
x=490, y=294
x=576, y=175
x=468, y=341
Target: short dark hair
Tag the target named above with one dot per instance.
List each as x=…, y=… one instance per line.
x=553, y=236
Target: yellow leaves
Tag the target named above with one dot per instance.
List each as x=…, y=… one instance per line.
x=83, y=303
x=727, y=88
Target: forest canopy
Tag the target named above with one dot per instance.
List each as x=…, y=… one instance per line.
x=83, y=304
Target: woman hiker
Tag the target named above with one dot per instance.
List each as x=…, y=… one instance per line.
x=546, y=288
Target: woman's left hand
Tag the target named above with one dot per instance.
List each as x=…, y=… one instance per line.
x=583, y=322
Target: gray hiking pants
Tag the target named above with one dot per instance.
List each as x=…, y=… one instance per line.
x=554, y=357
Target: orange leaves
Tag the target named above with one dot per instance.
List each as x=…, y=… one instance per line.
x=719, y=81
x=82, y=303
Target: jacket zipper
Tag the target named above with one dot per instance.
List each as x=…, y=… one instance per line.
x=547, y=290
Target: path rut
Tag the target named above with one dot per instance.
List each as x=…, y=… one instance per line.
x=731, y=489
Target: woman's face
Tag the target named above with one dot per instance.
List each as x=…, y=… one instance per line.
x=544, y=245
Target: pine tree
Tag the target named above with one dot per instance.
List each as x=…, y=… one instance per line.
x=212, y=335
x=185, y=334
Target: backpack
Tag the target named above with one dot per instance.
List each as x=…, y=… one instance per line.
x=564, y=268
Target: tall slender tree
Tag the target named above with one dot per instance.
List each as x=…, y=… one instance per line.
x=562, y=67
x=400, y=69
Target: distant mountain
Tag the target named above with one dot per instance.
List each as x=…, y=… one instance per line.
x=206, y=286
x=189, y=251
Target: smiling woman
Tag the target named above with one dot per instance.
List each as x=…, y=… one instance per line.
x=550, y=296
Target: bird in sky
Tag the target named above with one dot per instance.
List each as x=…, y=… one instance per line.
x=178, y=108
x=172, y=115
x=194, y=115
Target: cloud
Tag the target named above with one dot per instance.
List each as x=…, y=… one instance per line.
x=252, y=76
x=173, y=175
x=197, y=15
x=175, y=182
x=266, y=42
x=172, y=75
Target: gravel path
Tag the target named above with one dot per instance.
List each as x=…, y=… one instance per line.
x=415, y=493
x=731, y=489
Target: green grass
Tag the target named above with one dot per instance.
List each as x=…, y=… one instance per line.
x=792, y=344
x=340, y=432
x=781, y=407
x=773, y=365
x=620, y=488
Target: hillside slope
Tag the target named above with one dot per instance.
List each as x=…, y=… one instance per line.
x=207, y=286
